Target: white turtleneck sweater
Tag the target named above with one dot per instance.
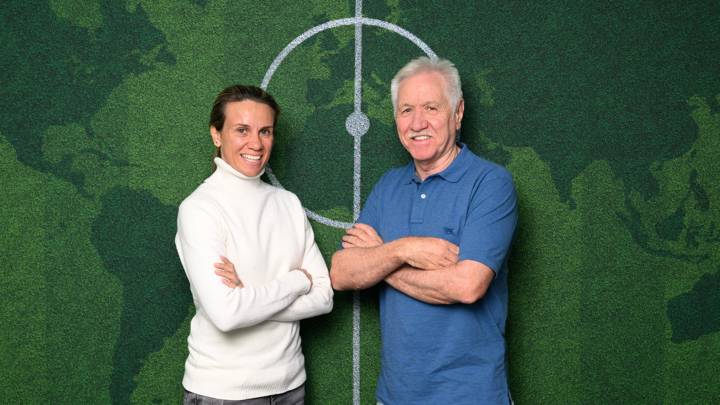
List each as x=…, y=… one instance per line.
x=244, y=342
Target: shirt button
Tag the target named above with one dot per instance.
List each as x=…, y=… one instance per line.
x=423, y=196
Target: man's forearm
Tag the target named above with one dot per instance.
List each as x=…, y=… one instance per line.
x=464, y=282
x=356, y=268
x=420, y=284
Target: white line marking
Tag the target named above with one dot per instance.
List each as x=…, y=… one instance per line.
x=357, y=125
x=310, y=33
x=356, y=193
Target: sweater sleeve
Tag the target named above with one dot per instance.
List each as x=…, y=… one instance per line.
x=200, y=242
x=320, y=298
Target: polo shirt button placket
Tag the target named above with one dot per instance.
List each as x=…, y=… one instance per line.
x=417, y=215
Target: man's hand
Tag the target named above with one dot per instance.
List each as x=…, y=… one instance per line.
x=429, y=253
x=226, y=270
x=307, y=274
x=361, y=235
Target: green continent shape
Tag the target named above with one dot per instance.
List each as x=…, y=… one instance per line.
x=682, y=221
x=82, y=13
x=579, y=82
x=58, y=294
x=23, y=283
x=542, y=331
x=160, y=379
x=577, y=293
x=78, y=56
x=607, y=293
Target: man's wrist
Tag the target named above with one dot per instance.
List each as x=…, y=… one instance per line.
x=398, y=251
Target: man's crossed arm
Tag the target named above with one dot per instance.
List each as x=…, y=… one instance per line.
x=424, y=268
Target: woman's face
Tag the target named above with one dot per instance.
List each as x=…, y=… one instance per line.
x=247, y=136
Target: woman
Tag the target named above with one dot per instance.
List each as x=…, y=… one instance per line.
x=244, y=343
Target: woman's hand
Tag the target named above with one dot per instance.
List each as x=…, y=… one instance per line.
x=226, y=270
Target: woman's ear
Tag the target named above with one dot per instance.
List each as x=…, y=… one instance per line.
x=215, y=135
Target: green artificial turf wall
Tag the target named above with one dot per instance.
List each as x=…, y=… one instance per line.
x=606, y=112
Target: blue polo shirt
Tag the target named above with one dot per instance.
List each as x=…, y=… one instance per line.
x=438, y=354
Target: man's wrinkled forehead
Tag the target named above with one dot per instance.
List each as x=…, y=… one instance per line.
x=410, y=85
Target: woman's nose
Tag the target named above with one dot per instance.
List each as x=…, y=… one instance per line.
x=254, y=141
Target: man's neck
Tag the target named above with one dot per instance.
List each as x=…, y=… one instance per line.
x=424, y=171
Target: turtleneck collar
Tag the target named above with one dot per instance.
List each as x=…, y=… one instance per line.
x=228, y=171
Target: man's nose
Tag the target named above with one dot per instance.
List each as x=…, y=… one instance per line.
x=418, y=121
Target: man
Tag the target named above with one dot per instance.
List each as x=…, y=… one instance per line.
x=437, y=232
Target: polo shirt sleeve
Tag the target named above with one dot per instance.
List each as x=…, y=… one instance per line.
x=371, y=212
x=491, y=220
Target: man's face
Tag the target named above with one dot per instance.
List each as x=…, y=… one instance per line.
x=425, y=121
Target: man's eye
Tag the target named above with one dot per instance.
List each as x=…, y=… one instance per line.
x=242, y=130
x=266, y=132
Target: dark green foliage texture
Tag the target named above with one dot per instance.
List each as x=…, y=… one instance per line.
x=607, y=114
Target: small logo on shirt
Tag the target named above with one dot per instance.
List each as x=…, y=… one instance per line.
x=449, y=231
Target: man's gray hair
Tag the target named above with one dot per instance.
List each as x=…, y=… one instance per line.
x=424, y=64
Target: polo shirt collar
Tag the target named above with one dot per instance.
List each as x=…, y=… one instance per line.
x=452, y=173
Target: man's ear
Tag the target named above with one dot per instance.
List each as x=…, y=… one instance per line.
x=459, y=111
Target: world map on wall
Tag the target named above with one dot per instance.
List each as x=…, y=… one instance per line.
x=613, y=146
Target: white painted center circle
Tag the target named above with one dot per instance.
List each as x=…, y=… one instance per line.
x=357, y=123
